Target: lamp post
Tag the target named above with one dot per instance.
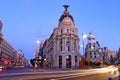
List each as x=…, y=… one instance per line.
x=83, y=37
x=38, y=42
x=37, y=51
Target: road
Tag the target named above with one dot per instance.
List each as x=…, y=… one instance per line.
x=41, y=74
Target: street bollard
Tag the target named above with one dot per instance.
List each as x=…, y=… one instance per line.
x=110, y=79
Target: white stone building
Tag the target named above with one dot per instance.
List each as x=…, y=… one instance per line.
x=93, y=49
x=61, y=50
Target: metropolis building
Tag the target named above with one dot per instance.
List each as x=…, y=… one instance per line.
x=61, y=50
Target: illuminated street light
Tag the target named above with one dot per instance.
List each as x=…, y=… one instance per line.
x=92, y=47
x=81, y=45
x=38, y=41
x=84, y=36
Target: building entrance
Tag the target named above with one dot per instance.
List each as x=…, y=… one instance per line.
x=68, y=61
x=60, y=61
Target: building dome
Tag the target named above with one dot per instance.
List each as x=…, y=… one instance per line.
x=64, y=15
x=66, y=18
x=91, y=36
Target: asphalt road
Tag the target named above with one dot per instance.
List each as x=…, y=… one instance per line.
x=30, y=74
x=35, y=76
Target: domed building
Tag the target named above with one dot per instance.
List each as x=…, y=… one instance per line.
x=61, y=50
x=93, y=49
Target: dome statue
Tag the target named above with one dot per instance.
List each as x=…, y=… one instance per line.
x=66, y=18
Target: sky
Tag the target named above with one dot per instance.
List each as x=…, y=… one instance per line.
x=26, y=21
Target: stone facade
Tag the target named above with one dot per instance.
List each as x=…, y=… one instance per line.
x=6, y=51
x=8, y=55
x=93, y=49
x=61, y=50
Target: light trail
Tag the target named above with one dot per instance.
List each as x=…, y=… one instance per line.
x=60, y=74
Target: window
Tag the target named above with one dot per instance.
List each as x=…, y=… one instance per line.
x=90, y=56
x=74, y=43
x=90, y=53
x=60, y=57
x=61, y=31
x=61, y=41
x=68, y=40
x=75, y=58
x=73, y=31
x=68, y=48
x=94, y=56
x=61, y=48
x=90, y=44
x=67, y=30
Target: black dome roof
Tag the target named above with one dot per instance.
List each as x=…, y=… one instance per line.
x=66, y=14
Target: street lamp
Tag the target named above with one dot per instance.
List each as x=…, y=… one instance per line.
x=38, y=41
x=83, y=37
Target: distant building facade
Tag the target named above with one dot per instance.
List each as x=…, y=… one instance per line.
x=93, y=49
x=118, y=56
x=20, y=59
x=105, y=52
x=61, y=50
x=6, y=51
x=8, y=55
x=111, y=56
x=39, y=51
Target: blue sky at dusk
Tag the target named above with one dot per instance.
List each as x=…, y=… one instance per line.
x=25, y=21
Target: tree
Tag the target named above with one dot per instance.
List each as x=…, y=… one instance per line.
x=32, y=62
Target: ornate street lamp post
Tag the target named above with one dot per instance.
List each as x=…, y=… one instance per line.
x=83, y=37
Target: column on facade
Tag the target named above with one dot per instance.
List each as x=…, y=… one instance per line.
x=71, y=43
x=56, y=60
x=63, y=43
x=54, y=52
x=73, y=61
x=58, y=42
x=63, y=61
x=78, y=59
x=55, y=44
x=77, y=45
